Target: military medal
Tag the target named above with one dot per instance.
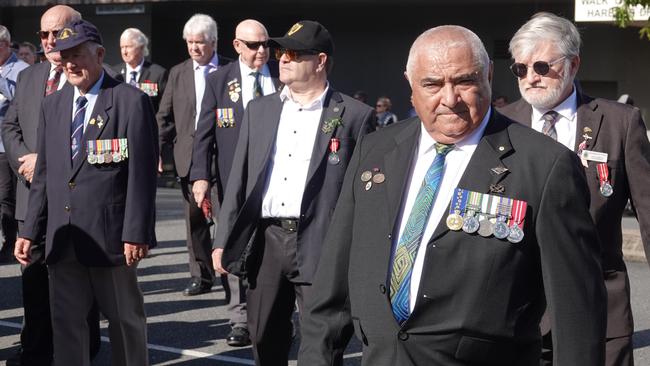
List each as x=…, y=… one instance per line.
x=518, y=214
x=368, y=185
x=501, y=230
x=92, y=159
x=486, y=227
x=470, y=222
x=333, y=157
x=606, y=188
x=124, y=149
x=366, y=176
x=454, y=219
x=233, y=90
x=378, y=178
x=100, y=121
x=225, y=117
x=149, y=88
x=115, y=149
x=108, y=156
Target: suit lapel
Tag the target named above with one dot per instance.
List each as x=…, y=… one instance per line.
x=268, y=133
x=188, y=81
x=588, y=119
x=332, y=109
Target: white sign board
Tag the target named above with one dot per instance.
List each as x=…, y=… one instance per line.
x=603, y=11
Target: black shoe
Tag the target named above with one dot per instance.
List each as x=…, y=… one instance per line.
x=197, y=287
x=238, y=337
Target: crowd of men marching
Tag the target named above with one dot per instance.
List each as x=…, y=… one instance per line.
x=465, y=235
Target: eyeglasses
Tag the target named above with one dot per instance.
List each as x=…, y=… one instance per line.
x=292, y=55
x=380, y=106
x=541, y=68
x=46, y=34
x=254, y=45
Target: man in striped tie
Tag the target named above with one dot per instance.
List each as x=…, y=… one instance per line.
x=396, y=266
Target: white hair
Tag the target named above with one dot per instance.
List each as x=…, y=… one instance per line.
x=138, y=37
x=4, y=34
x=201, y=24
x=546, y=27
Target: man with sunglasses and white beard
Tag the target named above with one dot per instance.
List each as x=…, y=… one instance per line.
x=293, y=150
x=610, y=139
x=228, y=91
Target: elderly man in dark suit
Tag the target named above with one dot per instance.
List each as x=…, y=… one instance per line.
x=293, y=150
x=93, y=197
x=454, y=230
x=227, y=92
x=19, y=136
x=136, y=70
x=609, y=137
x=177, y=120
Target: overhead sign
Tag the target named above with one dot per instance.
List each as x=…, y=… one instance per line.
x=603, y=11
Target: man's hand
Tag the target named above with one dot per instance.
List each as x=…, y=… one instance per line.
x=216, y=261
x=23, y=251
x=27, y=163
x=134, y=252
x=199, y=190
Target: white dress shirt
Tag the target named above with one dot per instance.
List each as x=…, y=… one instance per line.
x=248, y=80
x=566, y=122
x=455, y=163
x=297, y=130
x=91, y=96
x=199, y=83
x=137, y=69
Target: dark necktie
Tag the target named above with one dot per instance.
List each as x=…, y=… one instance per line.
x=133, y=80
x=53, y=82
x=548, y=129
x=257, y=87
x=407, y=247
x=77, y=127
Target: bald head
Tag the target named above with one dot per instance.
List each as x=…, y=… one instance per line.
x=250, y=43
x=53, y=21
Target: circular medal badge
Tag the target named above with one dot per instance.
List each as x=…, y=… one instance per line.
x=485, y=227
x=366, y=176
x=455, y=222
x=606, y=189
x=92, y=159
x=117, y=157
x=379, y=178
x=333, y=158
x=470, y=224
x=516, y=234
x=100, y=158
x=108, y=158
x=501, y=230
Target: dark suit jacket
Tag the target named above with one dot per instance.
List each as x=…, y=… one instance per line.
x=619, y=131
x=211, y=140
x=95, y=208
x=480, y=299
x=150, y=73
x=177, y=113
x=242, y=205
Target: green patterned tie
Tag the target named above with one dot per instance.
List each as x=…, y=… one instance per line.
x=257, y=88
x=407, y=247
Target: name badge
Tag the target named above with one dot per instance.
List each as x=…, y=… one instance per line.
x=594, y=156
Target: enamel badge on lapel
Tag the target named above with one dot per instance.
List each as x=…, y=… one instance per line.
x=91, y=122
x=100, y=121
x=233, y=90
x=497, y=188
x=499, y=170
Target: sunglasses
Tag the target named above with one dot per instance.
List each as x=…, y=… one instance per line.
x=291, y=54
x=46, y=34
x=254, y=45
x=541, y=68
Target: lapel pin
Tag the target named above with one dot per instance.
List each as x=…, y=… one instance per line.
x=499, y=170
x=501, y=148
x=366, y=176
x=368, y=185
x=497, y=188
x=336, y=109
x=379, y=178
x=92, y=121
x=100, y=121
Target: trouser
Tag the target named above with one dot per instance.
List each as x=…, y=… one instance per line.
x=272, y=294
x=235, y=289
x=73, y=290
x=199, y=245
x=36, y=333
x=8, y=223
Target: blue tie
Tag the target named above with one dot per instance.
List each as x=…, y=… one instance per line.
x=133, y=75
x=77, y=127
x=407, y=247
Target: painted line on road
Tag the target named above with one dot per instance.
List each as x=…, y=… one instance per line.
x=184, y=352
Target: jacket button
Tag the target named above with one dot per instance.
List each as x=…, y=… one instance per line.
x=72, y=185
x=67, y=208
x=402, y=335
x=382, y=288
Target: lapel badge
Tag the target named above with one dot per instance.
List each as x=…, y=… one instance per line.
x=233, y=90
x=368, y=185
x=331, y=124
x=92, y=121
x=366, y=176
x=100, y=121
x=336, y=109
x=377, y=177
x=499, y=170
x=497, y=188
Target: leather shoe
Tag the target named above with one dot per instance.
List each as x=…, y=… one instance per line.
x=197, y=287
x=238, y=337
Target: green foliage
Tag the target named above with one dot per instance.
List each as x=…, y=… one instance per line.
x=622, y=15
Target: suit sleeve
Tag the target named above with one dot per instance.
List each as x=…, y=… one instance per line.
x=637, y=167
x=369, y=124
x=165, y=115
x=570, y=257
x=327, y=325
x=204, y=138
x=36, y=218
x=12, y=133
x=139, y=213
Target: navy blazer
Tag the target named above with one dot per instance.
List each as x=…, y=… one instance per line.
x=95, y=208
x=150, y=73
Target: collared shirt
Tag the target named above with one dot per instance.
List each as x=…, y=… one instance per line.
x=62, y=79
x=137, y=69
x=199, y=82
x=566, y=123
x=247, y=81
x=455, y=163
x=291, y=156
x=9, y=71
x=91, y=96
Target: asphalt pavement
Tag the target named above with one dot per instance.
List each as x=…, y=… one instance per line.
x=191, y=330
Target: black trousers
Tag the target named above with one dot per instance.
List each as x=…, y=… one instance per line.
x=7, y=205
x=36, y=334
x=272, y=294
x=199, y=244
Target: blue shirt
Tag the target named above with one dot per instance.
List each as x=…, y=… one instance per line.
x=8, y=75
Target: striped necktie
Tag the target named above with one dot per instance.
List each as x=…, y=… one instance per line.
x=407, y=247
x=52, y=83
x=257, y=87
x=77, y=127
x=133, y=75
x=548, y=129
